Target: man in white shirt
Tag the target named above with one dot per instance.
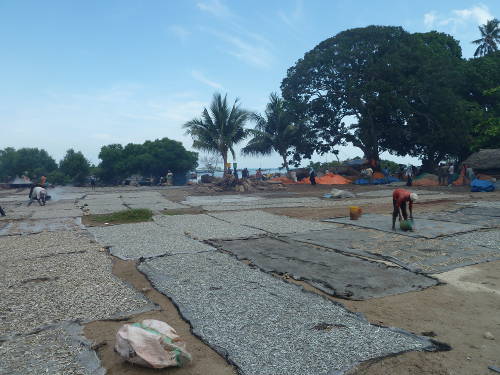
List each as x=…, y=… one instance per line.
x=40, y=194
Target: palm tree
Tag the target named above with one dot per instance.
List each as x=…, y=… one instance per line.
x=220, y=129
x=490, y=36
x=274, y=131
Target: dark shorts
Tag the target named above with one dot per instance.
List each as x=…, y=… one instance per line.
x=403, y=209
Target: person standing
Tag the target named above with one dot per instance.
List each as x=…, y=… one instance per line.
x=170, y=178
x=386, y=173
x=92, y=182
x=312, y=176
x=469, y=172
x=258, y=174
x=409, y=175
x=451, y=172
x=399, y=199
x=441, y=175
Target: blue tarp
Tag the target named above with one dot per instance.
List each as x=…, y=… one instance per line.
x=377, y=181
x=482, y=186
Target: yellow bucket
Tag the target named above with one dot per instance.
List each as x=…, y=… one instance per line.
x=355, y=212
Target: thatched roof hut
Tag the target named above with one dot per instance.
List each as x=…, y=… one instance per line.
x=485, y=160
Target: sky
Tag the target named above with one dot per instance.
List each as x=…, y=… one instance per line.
x=83, y=74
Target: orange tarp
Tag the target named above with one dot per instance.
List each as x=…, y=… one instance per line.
x=328, y=179
x=427, y=180
x=378, y=175
x=284, y=180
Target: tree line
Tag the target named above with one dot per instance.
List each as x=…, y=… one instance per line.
x=152, y=158
x=379, y=88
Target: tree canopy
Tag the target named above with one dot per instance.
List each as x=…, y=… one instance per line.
x=32, y=162
x=75, y=166
x=384, y=89
x=490, y=37
x=152, y=158
x=219, y=129
x=274, y=131
x=348, y=88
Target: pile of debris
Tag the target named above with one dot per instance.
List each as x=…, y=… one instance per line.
x=240, y=185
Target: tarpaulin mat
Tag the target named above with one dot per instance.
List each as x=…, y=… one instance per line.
x=460, y=216
x=336, y=274
x=418, y=255
x=422, y=227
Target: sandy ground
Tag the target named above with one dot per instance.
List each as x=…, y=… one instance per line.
x=206, y=361
x=458, y=312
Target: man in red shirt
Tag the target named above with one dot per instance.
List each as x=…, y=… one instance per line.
x=399, y=199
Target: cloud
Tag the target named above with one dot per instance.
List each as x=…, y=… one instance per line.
x=478, y=15
x=180, y=32
x=291, y=18
x=214, y=7
x=430, y=18
x=199, y=76
x=256, y=52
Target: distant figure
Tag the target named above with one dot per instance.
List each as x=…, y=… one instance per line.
x=451, y=172
x=43, y=180
x=312, y=176
x=258, y=174
x=386, y=173
x=399, y=199
x=92, y=182
x=244, y=173
x=293, y=176
x=229, y=171
x=463, y=172
x=441, y=172
x=368, y=173
x=2, y=212
x=39, y=194
x=409, y=175
x=469, y=172
x=170, y=178
x=31, y=190
x=235, y=173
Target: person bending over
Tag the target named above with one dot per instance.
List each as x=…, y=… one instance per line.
x=399, y=199
x=39, y=194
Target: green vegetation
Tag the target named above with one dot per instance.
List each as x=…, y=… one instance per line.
x=75, y=167
x=274, y=131
x=121, y=217
x=490, y=36
x=381, y=89
x=31, y=162
x=152, y=158
x=219, y=129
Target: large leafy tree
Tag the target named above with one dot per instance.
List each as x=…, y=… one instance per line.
x=274, y=131
x=220, y=128
x=348, y=88
x=152, y=158
x=490, y=37
x=31, y=161
x=75, y=166
x=483, y=94
x=434, y=122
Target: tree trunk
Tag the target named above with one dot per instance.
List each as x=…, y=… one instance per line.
x=224, y=160
x=285, y=164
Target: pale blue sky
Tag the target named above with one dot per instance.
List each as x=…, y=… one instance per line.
x=82, y=74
